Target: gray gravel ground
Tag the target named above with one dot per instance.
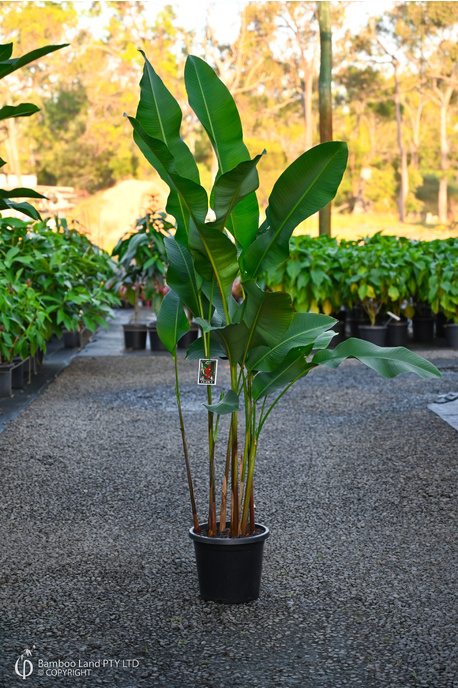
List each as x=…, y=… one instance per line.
x=356, y=479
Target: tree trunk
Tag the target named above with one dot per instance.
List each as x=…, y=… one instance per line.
x=442, y=199
x=403, y=192
x=324, y=17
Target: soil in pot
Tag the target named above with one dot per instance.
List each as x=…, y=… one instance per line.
x=134, y=336
x=229, y=569
x=397, y=334
x=423, y=328
x=451, y=334
x=374, y=334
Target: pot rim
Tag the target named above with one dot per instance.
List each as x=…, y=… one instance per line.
x=229, y=541
x=373, y=328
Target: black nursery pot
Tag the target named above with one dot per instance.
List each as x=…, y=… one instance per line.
x=134, y=337
x=229, y=569
x=154, y=340
x=397, y=334
x=423, y=328
x=339, y=328
x=451, y=333
x=188, y=338
x=374, y=334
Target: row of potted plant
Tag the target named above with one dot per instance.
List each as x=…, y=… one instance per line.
x=141, y=265
x=381, y=281
x=53, y=280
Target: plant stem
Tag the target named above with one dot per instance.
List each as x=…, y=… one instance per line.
x=223, y=511
x=185, y=449
x=234, y=463
x=211, y=448
x=249, y=485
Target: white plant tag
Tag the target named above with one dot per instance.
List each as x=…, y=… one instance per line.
x=208, y=369
x=393, y=316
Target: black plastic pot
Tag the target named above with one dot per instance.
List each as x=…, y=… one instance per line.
x=6, y=388
x=397, y=334
x=441, y=323
x=18, y=372
x=229, y=570
x=451, y=334
x=188, y=338
x=154, y=340
x=374, y=334
x=134, y=336
x=423, y=328
x=74, y=339
x=339, y=328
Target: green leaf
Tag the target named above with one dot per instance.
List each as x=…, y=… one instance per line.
x=267, y=315
x=197, y=350
x=160, y=115
x=292, y=368
x=21, y=110
x=181, y=276
x=304, y=188
x=304, y=330
x=11, y=65
x=387, y=361
x=214, y=106
x=23, y=207
x=20, y=192
x=229, y=190
x=172, y=323
x=234, y=339
x=193, y=198
x=219, y=259
x=229, y=403
x=6, y=51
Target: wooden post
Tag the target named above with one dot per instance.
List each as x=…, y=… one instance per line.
x=324, y=84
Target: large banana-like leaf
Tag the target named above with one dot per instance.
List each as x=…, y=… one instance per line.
x=172, y=323
x=305, y=187
x=181, y=276
x=197, y=349
x=387, y=361
x=193, y=197
x=292, y=368
x=9, y=65
x=267, y=315
x=214, y=106
x=304, y=330
x=160, y=116
x=21, y=110
x=221, y=255
x=20, y=193
x=6, y=51
x=22, y=206
x=231, y=188
x=233, y=338
x=229, y=403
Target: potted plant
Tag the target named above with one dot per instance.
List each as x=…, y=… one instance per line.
x=267, y=345
x=443, y=293
x=142, y=260
x=312, y=276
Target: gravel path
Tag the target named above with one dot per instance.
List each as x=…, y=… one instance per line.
x=356, y=479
